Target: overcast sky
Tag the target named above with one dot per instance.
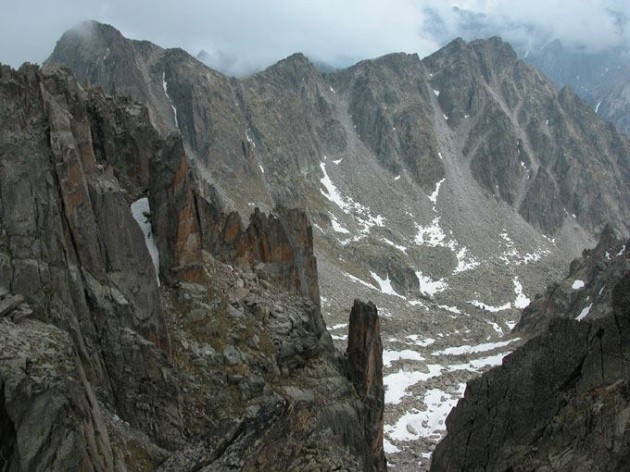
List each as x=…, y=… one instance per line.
x=245, y=35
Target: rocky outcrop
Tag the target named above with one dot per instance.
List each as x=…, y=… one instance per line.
x=585, y=291
x=365, y=367
x=106, y=364
x=560, y=402
x=279, y=246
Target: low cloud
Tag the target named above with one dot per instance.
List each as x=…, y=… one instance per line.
x=242, y=36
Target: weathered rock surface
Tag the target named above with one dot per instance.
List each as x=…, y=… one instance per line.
x=106, y=364
x=586, y=290
x=546, y=146
x=365, y=366
x=561, y=401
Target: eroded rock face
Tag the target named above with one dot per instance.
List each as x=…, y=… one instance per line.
x=101, y=367
x=282, y=243
x=365, y=367
x=561, y=401
x=585, y=292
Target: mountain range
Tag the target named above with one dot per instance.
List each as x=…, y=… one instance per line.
x=448, y=190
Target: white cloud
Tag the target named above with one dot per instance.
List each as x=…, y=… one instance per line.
x=246, y=35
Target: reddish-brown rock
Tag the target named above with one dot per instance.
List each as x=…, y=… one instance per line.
x=365, y=369
x=283, y=242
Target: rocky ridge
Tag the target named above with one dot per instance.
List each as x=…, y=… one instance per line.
x=559, y=402
x=142, y=327
x=447, y=190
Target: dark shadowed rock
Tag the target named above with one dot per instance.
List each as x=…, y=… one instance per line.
x=586, y=291
x=561, y=401
x=364, y=358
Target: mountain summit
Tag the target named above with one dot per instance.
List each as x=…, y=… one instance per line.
x=448, y=190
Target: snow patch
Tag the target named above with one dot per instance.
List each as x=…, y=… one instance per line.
x=262, y=169
x=430, y=287
x=434, y=196
x=577, y=284
x=140, y=209
x=249, y=140
x=396, y=384
x=402, y=249
x=358, y=280
x=389, y=448
x=477, y=365
x=511, y=256
x=416, y=340
x=584, y=313
x=360, y=213
x=466, y=349
x=337, y=227
x=490, y=308
x=452, y=309
x=338, y=161
x=428, y=423
x=434, y=236
x=390, y=356
x=437, y=93
x=385, y=285
x=522, y=301
x=397, y=177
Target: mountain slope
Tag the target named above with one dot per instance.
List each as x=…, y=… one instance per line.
x=447, y=190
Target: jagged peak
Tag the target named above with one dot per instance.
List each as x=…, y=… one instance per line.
x=493, y=49
x=92, y=30
x=296, y=61
x=494, y=46
x=294, y=67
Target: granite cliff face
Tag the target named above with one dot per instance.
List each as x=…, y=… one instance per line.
x=141, y=326
x=448, y=190
x=560, y=402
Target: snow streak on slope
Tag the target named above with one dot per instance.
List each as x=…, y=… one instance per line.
x=467, y=349
x=434, y=236
x=391, y=356
x=165, y=87
x=434, y=196
x=360, y=213
x=511, y=256
x=385, y=285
